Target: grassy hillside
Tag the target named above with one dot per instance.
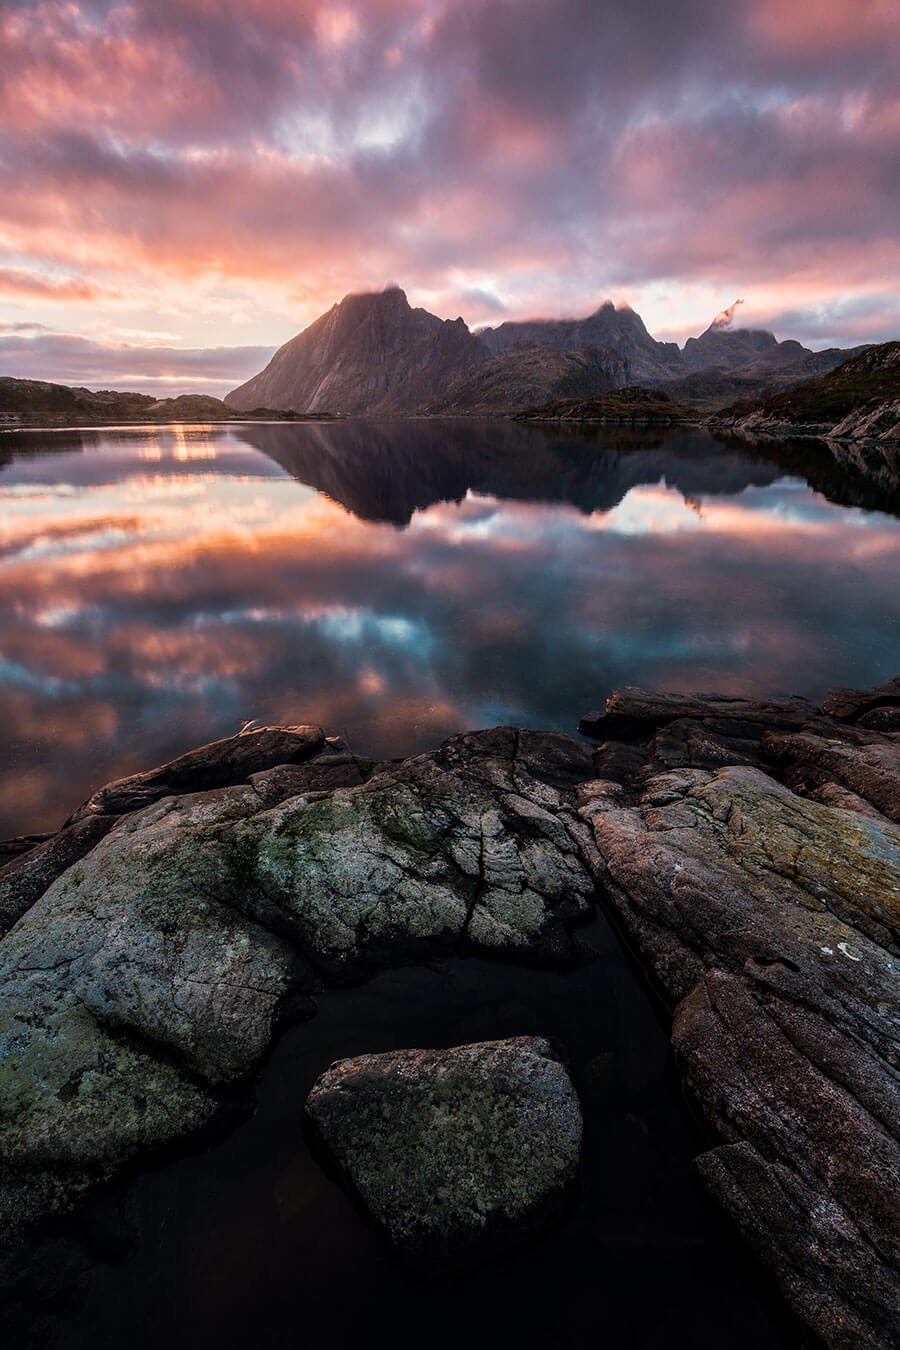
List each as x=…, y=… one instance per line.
x=865, y=381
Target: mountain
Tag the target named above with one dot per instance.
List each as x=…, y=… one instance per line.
x=370, y=354
x=531, y=373
x=859, y=399
x=621, y=329
x=374, y=355
x=756, y=352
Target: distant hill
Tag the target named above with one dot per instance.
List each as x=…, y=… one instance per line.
x=859, y=399
x=27, y=401
x=634, y=405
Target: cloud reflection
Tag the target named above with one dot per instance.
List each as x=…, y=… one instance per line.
x=147, y=606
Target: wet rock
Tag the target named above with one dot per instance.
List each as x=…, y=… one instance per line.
x=749, y=851
x=631, y=711
x=25, y=878
x=151, y=975
x=854, y=760
x=227, y=762
x=850, y=705
x=217, y=765
x=456, y=1154
x=771, y=922
x=22, y=843
x=698, y=743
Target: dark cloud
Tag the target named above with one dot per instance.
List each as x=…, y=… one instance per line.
x=497, y=153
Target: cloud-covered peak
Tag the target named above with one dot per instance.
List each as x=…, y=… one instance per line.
x=505, y=158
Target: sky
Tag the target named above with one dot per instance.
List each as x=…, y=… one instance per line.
x=185, y=184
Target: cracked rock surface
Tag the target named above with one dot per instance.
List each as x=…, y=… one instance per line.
x=456, y=1154
x=763, y=896
x=748, y=852
x=152, y=974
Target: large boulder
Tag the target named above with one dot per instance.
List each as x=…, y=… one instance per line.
x=456, y=1154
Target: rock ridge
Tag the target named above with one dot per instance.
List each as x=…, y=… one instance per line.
x=747, y=850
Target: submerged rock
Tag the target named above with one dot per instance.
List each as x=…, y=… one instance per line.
x=456, y=1154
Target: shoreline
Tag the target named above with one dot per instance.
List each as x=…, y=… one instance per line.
x=748, y=852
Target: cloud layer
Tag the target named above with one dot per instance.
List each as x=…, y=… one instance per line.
x=511, y=156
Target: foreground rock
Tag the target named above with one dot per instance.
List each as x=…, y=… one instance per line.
x=456, y=1154
x=150, y=977
x=748, y=851
x=768, y=916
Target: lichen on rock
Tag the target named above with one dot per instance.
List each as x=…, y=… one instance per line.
x=455, y=1154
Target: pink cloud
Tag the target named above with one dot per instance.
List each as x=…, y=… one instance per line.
x=540, y=155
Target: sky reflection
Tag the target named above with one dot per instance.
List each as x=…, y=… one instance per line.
x=153, y=597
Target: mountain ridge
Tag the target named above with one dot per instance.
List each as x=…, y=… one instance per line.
x=373, y=354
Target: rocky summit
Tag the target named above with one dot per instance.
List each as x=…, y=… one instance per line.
x=747, y=851
x=456, y=1154
x=370, y=354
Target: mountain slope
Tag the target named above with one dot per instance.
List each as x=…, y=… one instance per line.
x=530, y=373
x=754, y=352
x=859, y=399
x=370, y=354
x=621, y=329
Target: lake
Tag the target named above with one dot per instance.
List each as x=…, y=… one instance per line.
x=397, y=582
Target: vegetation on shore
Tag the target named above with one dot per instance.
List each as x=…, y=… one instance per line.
x=632, y=404
x=863, y=383
x=26, y=402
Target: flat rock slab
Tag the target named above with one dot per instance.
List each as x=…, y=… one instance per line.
x=457, y=1155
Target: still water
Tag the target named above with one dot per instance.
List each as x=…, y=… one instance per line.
x=397, y=582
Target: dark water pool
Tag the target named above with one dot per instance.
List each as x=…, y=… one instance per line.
x=396, y=582
x=251, y=1244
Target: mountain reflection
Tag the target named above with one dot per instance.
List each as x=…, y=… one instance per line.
x=386, y=472
x=158, y=586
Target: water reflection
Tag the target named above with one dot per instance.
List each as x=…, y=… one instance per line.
x=399, y=581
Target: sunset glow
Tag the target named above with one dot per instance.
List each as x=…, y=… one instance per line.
x=183, y=186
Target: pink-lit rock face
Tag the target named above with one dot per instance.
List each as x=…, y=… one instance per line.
x=180, y=177
x=397, y=583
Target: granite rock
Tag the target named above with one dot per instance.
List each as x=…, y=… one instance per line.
x=458, y=1154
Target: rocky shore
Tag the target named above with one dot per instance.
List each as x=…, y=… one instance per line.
x=747, y=852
